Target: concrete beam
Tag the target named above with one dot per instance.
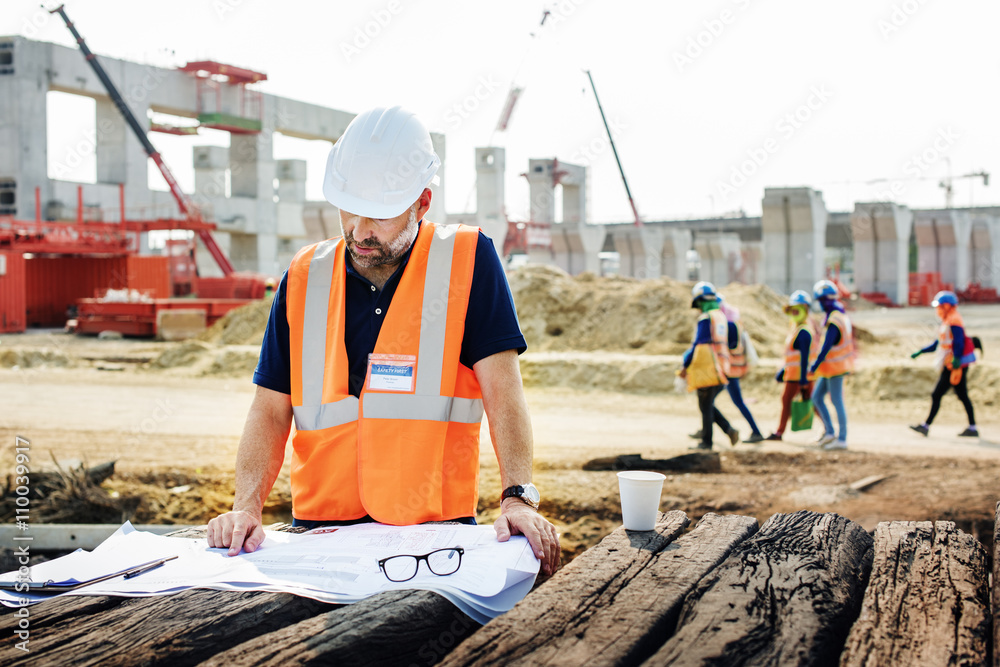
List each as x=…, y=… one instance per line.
x=640, y=250
x=793, y=223
x=676, y=243
x=576, y=247
x=720, y=256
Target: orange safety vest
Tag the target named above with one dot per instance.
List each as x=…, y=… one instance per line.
x=793, y=358
x=840, y=359
x=945, y=350
x=405, y=453
x=719, y=326
x=737, y=355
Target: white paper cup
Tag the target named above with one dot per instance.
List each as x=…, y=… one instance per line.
x=640, y=494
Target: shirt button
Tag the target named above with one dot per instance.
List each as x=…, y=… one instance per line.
x=373, y=288
x=378, y=311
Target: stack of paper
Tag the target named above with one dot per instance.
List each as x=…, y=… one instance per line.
x=336, y=565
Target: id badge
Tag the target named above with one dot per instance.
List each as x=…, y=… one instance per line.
x=392, y=372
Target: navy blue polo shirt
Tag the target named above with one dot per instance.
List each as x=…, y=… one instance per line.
x=490, y=323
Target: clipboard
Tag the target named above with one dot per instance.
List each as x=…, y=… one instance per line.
x=55, y=587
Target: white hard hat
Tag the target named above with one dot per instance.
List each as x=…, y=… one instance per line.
x=381, y=164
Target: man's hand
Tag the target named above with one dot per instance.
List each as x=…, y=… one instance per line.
x=804, y=391
x=813, y=369
x=956, y=363
x=236, y=530
x=916, y=354
x=517, y=518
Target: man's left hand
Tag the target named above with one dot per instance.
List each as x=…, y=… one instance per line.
x=518, y=518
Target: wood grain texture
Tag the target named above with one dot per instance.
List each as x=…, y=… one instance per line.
x=995, y=591
x=565, y=604
x=927, y=602
x=395, y=628
x=181, y=629
x=786, y=596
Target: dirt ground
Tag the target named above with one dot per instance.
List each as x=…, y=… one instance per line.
x=170, y=414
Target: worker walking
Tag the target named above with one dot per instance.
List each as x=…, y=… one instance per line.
x=955, y=351
x=738, y=341
x=834, y=361
x=385, y=346
x=800, y=350
x=706, y=363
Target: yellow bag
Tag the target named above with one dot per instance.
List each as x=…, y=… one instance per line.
x=704, y=370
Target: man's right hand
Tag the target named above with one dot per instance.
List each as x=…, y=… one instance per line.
x=236, y=530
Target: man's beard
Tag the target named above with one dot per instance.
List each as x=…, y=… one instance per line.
x=387, y=253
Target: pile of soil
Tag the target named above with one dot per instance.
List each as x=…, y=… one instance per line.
x=33, y=358
x=241, y=326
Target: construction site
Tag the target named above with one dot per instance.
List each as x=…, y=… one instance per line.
x=131, y=319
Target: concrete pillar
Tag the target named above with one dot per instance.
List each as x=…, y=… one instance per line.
x=210, y=166
x=576, y=247
x=676, y=243
x=752, y=254
x=943, y=241
x=291, y=231
x=984, y=247
x=541, y=191
x=252, y=175
x=720, y=257
x=490, y=196
x=793, y=224
x=881, y=233
x=640, y=250
x=23, y=145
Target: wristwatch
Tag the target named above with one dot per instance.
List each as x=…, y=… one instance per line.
x=527, y=493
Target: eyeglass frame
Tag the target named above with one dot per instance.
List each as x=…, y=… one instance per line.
x=424, y=557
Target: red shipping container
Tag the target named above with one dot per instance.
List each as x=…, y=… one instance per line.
x=12, y=308
x=53, y=284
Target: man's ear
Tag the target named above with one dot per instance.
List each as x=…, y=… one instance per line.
x=423, y=203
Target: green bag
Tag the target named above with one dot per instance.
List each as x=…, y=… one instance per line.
x=802, y=415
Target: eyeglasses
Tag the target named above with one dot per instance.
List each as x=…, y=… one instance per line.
x=441, y=562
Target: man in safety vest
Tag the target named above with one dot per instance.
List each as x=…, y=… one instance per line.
x=385, y=346
x=834, y=361
x=955, y=352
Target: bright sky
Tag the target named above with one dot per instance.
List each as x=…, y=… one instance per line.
x=711, y=101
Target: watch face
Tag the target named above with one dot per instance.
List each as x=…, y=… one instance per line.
x=531, y=493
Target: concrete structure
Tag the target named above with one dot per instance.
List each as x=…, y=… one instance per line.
x=676, y=243
x=721, y=257
x=793, y=224
x=881, y=249
x=640, y=250
x=576, y=247
x=263, y=220
x=491, y=215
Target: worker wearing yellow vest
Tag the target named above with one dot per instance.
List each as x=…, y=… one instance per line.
x=955, y=351
x=833, y=362
x=739, y=366
x=800, y=350
x=706, y=363
x=385, y=347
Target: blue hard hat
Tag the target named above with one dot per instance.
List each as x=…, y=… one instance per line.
x=825, y=289
x=800, y=298
x=944, y=296
x=703, y=291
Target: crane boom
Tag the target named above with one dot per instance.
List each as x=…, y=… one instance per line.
x=187, y=208
x=631, y=202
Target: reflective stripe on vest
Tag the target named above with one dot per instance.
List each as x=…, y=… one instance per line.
x=737, y=355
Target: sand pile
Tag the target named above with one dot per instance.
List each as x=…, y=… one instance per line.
x=560, y=312
x=33, y=358
x=241, y=326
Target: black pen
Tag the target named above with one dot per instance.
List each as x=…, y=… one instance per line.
x=146, y=568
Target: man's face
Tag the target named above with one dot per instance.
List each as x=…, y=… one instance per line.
x=374, y=242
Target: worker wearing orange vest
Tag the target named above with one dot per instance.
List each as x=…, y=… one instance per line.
x=834, y=361
x=387, y=402
x=708, y=358
x=800, y=349
x=738, y=365
x=955, y=352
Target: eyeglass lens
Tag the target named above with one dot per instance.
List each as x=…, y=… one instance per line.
x=441, y=562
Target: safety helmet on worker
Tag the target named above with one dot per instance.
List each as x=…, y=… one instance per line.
x=703, y=291
x=824, y=289
x=381, y=164
x=945, y=297
x=799, y=298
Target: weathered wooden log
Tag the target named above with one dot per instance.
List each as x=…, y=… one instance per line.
x=567, y=601
x=629, y=621
x=395, y=628
x=927, y=601
x=182, y=629
x=786, y=596
x=692, y=462
x=995, y=589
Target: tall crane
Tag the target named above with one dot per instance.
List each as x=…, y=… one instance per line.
x=184, y=203
x=631, y=202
